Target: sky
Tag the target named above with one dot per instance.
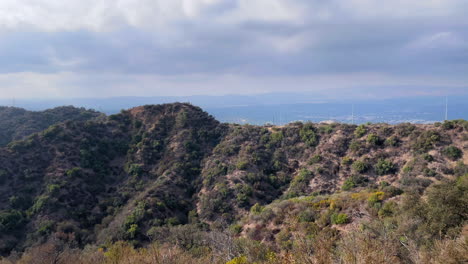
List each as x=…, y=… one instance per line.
x=335, y=48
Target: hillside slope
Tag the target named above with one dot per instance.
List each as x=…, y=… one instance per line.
x=135, y=174
x=18, y=123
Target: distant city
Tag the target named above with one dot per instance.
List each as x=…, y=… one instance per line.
x=280, y=109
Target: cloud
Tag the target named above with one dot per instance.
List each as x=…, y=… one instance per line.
x=163, y=41
x=362, y=85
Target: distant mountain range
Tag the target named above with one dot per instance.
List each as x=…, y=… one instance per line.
x=282, y=108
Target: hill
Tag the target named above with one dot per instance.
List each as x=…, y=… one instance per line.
x=174, y=175
x=18, y=123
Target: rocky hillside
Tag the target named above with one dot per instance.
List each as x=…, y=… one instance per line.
x=135, y=174
x=18, y=123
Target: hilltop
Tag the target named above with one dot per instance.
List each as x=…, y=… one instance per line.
x=18, y=123
x=149, y=172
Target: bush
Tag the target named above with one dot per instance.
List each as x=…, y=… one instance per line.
x=348, y=184
x=53, y=189
x=256, y=208
x=346, y=161
x=355, y=146
x=135, y=170
x=10, y=220
x=384, y=167
x=74, y=173
x=276, y=137
x=426, y=141
x=428, y=157
x=242, y=164
x=307, y=134
x=306, y=216
x=238, y=260
x=339, y=219
x=392, y=141
x=452, y=152
x=315, y=159
x=375, y=198
x=374, y=140
x=360, y=166
x=236, y=229
x=360, y=131
x=354, y=181
x=388, y=209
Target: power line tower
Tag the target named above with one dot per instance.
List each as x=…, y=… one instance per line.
x=446, y=108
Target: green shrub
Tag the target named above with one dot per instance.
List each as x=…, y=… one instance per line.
x=360, y=131
x=388, y=209
x=40, y=203
x=348, y=184
x=236, y=229
x=244, y=194
x=132, y=231
x=354, y=181
x=447, y=125
x=315, y=159
x=426, y=141
x=45, y=228
x=276, y=137
x=346, y=161
x=256, y=208
x=392, y=141
x=242, y=165
x=428, y=157
x=74, y=173
x=360, y=166
x=355, y=146
x=306, y=216
x=135, y=170
x=384, y=167
x=328, y=129
x=10, y=220
x=52, y=131
x=376, y=198
x=172, y=221
x=452, y=152
x=307, y=134
x=339, y=219
x=374, y=140
x=53, y=189
x=238, y=260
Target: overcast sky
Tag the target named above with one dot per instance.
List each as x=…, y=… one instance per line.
x=101, y=48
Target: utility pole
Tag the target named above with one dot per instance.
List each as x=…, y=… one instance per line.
x=352, y=114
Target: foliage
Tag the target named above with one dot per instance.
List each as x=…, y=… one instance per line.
x=10, y=220
x=307, y=134
x=17, y=123
x=173, y=182
x=384, y=167
x=315, y=159
x=374, y=140
x=452, y=152
x=352, y=182
x=360, y=131
x=426, y=141
x=339, y=219
x=360, y=166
